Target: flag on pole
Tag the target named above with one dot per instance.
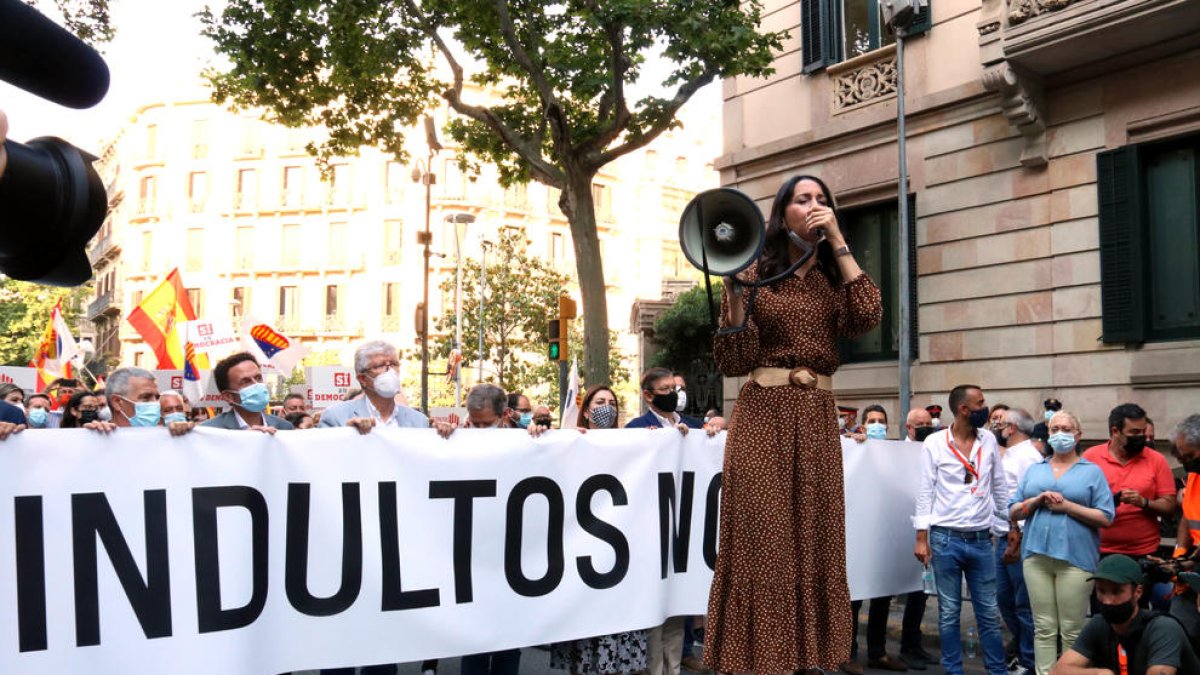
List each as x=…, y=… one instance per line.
x=570, y=413
x=52, y=359
x=193, y=384
x=271, y=346
x=157, y=319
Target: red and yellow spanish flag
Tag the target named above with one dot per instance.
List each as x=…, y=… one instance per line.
x=52, y=359
x=159, y=320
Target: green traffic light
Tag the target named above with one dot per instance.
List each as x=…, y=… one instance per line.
x=554, y=347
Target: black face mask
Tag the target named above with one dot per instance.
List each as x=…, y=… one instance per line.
x=1192, y=465
x=666, y=402
x=1116, y=615
x=1135, y=444
x=88, y=416
x=921, y=433
x=1001, y=439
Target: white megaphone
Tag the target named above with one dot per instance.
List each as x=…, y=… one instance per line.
x=721, y=232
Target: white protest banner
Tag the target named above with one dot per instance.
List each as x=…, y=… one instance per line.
x=22, y=376
x=211, y=336
x=329, y=384
x=173, y=380
x=252, y=554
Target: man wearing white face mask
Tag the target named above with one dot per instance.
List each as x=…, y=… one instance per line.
x=681, y=392
x=240, y=381
x=378, y=368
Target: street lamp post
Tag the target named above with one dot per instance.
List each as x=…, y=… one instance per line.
x=461, y=221
x=482, y=292
x=424, y=174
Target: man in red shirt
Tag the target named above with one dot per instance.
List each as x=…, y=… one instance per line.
x=1142, y=484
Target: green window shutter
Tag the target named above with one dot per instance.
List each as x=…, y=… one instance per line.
x=1122, y=267
x=924, y=20
x=818, y=46
x=913, y=314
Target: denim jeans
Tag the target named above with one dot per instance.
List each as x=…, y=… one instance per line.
x=506, y=662
x=966, y=554
x=1013, y=598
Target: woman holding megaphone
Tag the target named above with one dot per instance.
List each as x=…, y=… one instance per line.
x=780, y=601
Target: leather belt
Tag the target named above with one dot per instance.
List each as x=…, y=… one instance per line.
x=802, y=377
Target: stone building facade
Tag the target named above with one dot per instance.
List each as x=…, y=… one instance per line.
x=1053, y=150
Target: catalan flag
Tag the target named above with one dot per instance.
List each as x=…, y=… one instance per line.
x=158, y=320
x=193, y=383
x=271, y=346
x=53, y=356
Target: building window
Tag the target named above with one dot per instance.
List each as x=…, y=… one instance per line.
x=1149, y=233
x=251, y=139
x=331, y=299
x=194, y=255
x=247, y=189
x=552, y=197
x=136, y=297
x=293, y=185
x=238, y=303
x=195, y=297
x=289, y=253
x=832, y=31
x=152, y=141
x=147, y=194
x=199, y=139
x=245, y=248
x=517, y=196
x=147, y=251
x=558, y=247
x=197, y=190
x=455, y=184
x=337, y=244
x=675, y=264
x=391, y=299
x=602, y=202
x=287, y=302
x=394, y=178
x=339, y=184
x=393, y=233
x=872, y=233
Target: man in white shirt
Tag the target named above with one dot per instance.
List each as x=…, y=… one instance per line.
x=1017, y=455
x=962, y=501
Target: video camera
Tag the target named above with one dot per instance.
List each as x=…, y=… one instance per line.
x=52, y=201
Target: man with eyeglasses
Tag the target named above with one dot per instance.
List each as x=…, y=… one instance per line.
x=377, y=366
x=962, y=502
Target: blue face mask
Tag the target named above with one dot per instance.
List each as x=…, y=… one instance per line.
x=37, y=418
x=174, y=417
x=1048, y=415
x=145, y=414
x=524, y=420
x=1062, y=442
x=254, y=397
x=877, y=431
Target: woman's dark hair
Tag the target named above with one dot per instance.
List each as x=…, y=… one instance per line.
x=296, y=417
x=69, y=421
x=775, y=256
x=585, y=423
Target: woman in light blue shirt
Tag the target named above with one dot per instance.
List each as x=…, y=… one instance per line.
x=1064, y=502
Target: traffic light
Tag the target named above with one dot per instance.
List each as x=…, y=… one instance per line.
x=558, y=339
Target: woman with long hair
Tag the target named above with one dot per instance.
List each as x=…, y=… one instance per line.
x=780, y=601
x=81, y=408
x=605, y=654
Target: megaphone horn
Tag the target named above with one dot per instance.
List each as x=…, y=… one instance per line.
x=721, y=231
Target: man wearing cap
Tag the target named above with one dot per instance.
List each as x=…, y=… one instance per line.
x=935, y=415
x=1123, y=639
x=848, y=419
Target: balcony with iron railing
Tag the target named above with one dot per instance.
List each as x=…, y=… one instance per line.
x=104, y=304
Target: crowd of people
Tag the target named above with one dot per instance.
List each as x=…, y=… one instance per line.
x=1059, y=543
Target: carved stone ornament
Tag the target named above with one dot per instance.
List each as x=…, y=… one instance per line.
x=1022, y=10
x=1022, y=104
x=869, y=83
x=989, y=28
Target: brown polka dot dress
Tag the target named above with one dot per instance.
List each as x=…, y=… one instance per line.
x=779, y=598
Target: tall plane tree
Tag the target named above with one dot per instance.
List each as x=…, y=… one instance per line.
x=365, y=71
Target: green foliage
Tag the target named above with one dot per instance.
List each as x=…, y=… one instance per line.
x=365, y=71
x=24, y=313
x=684, y=331
x=87, y=19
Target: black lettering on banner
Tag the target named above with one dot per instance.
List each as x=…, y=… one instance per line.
x=712, y=521
x=602, y=530
x=462, y=492
x=205, y=502
x=295, y=579
x=150, y=598
x=394, y=595
x=514, y=527
x=31, y=573
x=675, y=528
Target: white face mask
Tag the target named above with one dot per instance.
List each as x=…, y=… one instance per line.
x=387, y=384
x=104, y=414
x=682, y=401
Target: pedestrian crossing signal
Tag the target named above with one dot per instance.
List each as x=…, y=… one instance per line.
x=556, y=333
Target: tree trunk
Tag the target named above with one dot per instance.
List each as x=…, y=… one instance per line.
x=579, y=207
